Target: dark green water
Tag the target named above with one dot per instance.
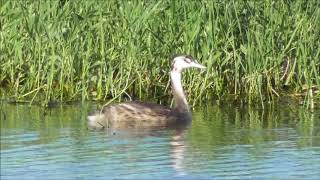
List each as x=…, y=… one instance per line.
x=224, y=142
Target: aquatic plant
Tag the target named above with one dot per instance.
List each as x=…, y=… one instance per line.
x=71, y=49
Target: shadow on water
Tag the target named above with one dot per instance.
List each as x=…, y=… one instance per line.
x=250, y=126
x=46, y=124
x=223, y=141
x=247, y=125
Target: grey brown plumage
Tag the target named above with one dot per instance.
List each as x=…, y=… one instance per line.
x=137, y=114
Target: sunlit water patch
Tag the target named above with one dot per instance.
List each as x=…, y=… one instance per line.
x=223, y=142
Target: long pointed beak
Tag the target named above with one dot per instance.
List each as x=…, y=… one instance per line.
x=197, y=65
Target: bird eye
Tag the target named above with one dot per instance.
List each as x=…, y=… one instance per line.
x=187, y=60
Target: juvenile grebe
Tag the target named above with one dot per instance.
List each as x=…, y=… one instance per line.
x=142, y=114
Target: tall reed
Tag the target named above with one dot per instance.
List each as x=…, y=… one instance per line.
x=71, y=49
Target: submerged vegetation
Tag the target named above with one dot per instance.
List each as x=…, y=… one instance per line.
x=69, y=49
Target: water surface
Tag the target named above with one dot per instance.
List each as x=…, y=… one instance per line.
x=223, y=142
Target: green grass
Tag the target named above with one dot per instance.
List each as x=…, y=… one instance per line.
x=70, y=50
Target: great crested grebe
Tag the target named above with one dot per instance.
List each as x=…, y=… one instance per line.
x=142, y=114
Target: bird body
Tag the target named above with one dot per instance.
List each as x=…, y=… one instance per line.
x=137, y=114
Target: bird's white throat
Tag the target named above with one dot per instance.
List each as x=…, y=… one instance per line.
x=181, y=104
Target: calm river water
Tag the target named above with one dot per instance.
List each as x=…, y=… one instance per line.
x=223, y=142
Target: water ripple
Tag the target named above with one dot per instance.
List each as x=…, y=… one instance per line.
x=213, y=148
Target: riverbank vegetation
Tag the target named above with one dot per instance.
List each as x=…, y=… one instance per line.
x=95, y=50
